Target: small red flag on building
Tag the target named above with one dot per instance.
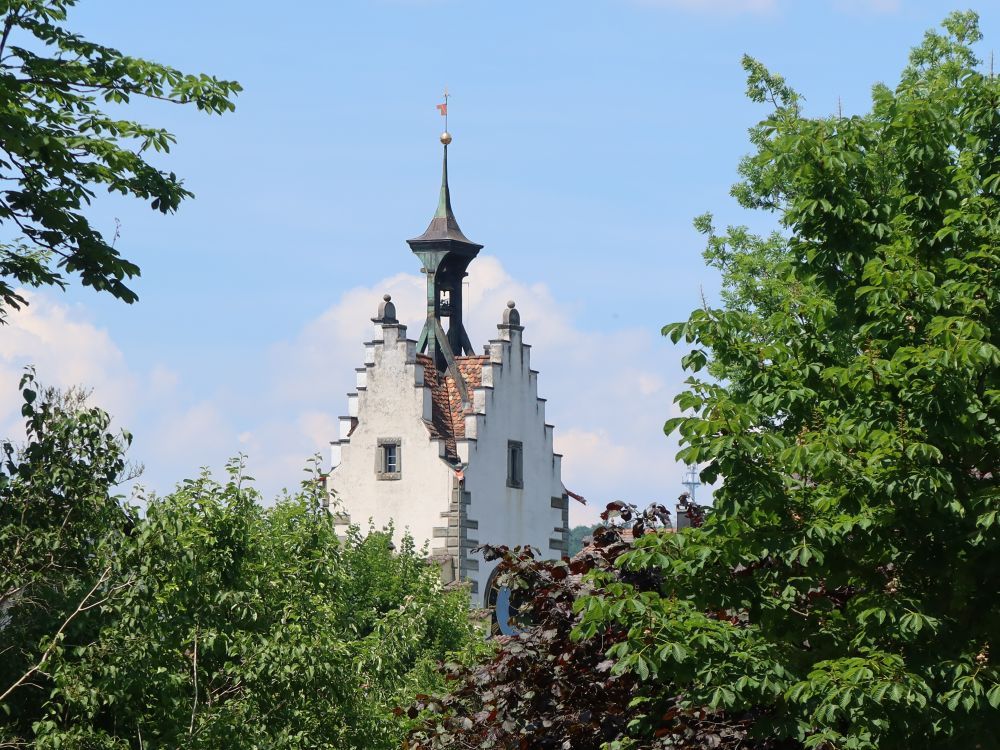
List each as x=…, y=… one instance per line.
x=443, y=109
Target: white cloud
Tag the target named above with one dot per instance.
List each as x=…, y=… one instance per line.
x=192, y=433
x=66, y=350
x=649, y=383
x=162, y=380
x=584, y=449
x=608, y=392
x=318, y=427
x=278, y=447
x=328, y=348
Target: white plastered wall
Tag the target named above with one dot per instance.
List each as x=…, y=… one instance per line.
x=508, y=408
x=391, y=402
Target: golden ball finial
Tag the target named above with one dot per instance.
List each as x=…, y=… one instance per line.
x=446, y=138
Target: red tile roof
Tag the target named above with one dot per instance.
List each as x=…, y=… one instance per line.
x=447, y=415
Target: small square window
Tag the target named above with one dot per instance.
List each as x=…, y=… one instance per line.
x=388, y=458
x=515, y=464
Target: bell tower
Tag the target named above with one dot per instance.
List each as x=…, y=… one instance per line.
x=445, y=254
x=443, y=441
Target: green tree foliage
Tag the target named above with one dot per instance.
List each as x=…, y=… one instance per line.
x=209, y=621
x=58, y=147
x=57, y=513
x=854, y=541
x=577, y=535
x=844, y=591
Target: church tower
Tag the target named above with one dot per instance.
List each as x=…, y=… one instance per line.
x=449, y=445
x=445, y=254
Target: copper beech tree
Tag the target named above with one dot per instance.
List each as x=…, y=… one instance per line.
x=548, y=688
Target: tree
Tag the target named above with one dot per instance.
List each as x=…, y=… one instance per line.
x=843, y=593
x=542, y=688
x=577, y=535
x=58, y=511
x=855, y=422
x=548, y=688
x=205, y=614
x=58, y=147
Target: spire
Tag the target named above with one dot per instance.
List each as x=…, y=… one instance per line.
x=445, y=254
x=444, y=201
x=444, y=225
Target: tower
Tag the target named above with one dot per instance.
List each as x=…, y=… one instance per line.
x=691, y=481
x=445, y=254
x=687, y=500
x=446, y=444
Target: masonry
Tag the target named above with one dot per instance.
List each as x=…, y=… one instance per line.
x=448, y=444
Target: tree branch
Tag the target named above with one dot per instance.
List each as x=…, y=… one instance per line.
x=56, y=638
x=7, y=26
x=194, y=672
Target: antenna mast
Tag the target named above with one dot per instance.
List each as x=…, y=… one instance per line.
x=691, y=481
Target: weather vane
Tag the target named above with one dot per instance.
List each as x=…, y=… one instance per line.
x=443, y=109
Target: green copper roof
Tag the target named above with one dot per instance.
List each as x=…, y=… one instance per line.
x=444, y=201
x=444, y=226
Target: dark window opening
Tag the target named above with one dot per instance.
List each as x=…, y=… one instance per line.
x=515, y=464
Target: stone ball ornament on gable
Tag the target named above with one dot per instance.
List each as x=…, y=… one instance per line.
x=386, y=310
x=511, y=317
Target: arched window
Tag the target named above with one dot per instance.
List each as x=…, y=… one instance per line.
x=503, y=612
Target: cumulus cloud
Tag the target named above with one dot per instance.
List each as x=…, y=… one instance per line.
x=608, y=391
x=583, y=449
x=189, y=435
x=173, y=436
x=66, y=350
x=326, y=350
x=162, y=380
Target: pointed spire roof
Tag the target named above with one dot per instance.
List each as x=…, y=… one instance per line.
x=444, y=226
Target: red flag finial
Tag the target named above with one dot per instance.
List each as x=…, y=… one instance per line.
x=443, y=108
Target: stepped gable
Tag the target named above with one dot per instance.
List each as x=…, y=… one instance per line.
x=447, y=415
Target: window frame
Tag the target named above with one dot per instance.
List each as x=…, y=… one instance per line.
x=515, y=467
x=381, y=459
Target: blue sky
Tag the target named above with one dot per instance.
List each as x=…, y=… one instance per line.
x=587, y=136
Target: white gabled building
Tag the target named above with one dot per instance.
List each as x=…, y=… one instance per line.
x=450, y=445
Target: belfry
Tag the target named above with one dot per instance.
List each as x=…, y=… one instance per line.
x=445, y=444
x=445, y=254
